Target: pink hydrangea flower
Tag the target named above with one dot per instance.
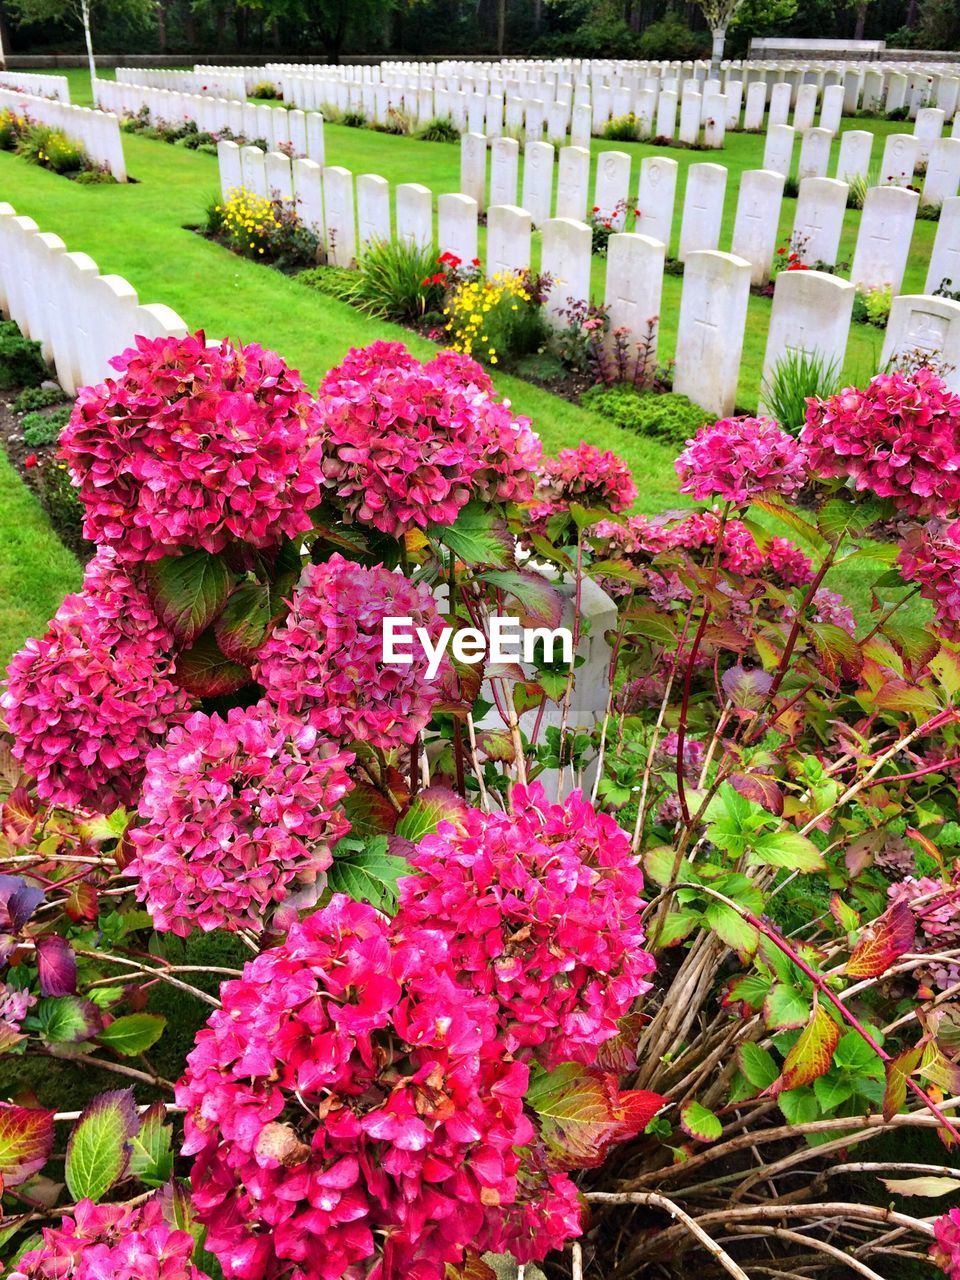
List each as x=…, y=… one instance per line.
x=193, y=446
x=930, y=556
x=541, y=909
x=351, y=1100
x=739, y=459
x=325, y=663
x=87, y=701
x=408, y=444
x=899, y=438
x=945, y=1251
x=111, y=1242
x=936, y=908
x=585, y=475
x=232, y=813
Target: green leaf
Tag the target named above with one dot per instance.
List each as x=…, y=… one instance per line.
x=205, y=670
x=785, y=1006
x=799, y=1106
x=731, y=928
x=676, y=926
x=793, y=520
x=758, y=1065
x=478, y=536
x=67, y=1020
x=369, y=875
x=786, y=849
x=133, y=1033
x=98, y=1151
x=831, y=1090
x=812, y=1054
x=188, y=591
x=698, y=1122
x=151, y=1150
x=581, y=1113
x=838, y=517
x=242, y=626
x=26, y=1140
x=855, y=1055
x=541, y=604
x=432, y=806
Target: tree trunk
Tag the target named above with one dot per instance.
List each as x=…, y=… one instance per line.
x=162, y=27
x=719, y=40
x=861, y=19
x=85, y=16
x=501, y=25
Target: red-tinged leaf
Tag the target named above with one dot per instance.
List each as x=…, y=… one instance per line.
x=124, y=851
x=98, y=1150
x=188, y=591
x=938, y=1069
x=430, y=807
x=812, y=1054
x=81, y=903
x=18, y=816
x=56, y=966
x=242, y=626
x=619, y=1055
x=26, y=1140
x=698, y=1122
x=206, y=672
x=762, y=788
x=899, y=1070
x=846, y=917
x=884, y=941
x=581, y=1113
x=541, y=604
x=369, y=810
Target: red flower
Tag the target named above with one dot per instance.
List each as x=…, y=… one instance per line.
x=30, y=460
x=474, y=262
x=595, y=209
x=781, y=250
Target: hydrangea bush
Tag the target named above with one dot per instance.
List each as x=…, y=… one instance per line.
x=518, y=960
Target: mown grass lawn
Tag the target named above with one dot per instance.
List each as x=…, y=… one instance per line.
x=142, y=231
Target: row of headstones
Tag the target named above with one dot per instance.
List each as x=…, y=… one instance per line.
x=810, y=309
x=300, y=131
x=218, y=82
x=41, y=86
x=96, y=131
x=902, y=154
x=59, y=299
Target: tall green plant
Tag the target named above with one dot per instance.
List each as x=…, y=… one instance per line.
x=389, y=281
x=797, y=375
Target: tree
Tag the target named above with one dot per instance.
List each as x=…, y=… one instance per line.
x=326, y=22
x=82, y=12
x=719, y=14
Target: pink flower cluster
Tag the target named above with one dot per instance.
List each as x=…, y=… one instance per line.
x=350, y=1097
x=936, y=908
x=325, y=663
x=407, y=444
x=193, y=446
x=899, y=438
x=585, y=475
x=87, y=702
x=739, y=459
x=930, y=556
x=232, y=813
x=111, y=1242
x=945, y=1251
x=541, y=910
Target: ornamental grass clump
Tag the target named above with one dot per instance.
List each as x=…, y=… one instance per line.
x=625, y=946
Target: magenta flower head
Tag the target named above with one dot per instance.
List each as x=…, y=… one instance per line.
x=407, y=1122
x=119, y=1241
x=407, y=444
x=540, y=909
x=739, y=459
x=898, y=438
x=325, y=664
x=945, y=1250
x=193, y=446
x=930, y=556
x=232, y=813
x=87, y=702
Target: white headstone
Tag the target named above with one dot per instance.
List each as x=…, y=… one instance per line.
x=228, y=158
x=504, y=166
x=253, y=163
x=633, y=286
x=315, y=143
x=690, y=105
x=508, y=239
x=565, y=257
x=573, y=178
x=702, y=208
x=927, y=130
x=896, y=91
x=779, y=105
x=279, y=175
x=611, y=192
x=814, y=153
x=414, y=212
x=811, y=313
x=943, y=171
x=457, y=227
x=872, y=90
x=806, y=108
x=373, y=209
x=818, y=222
x=756, y=105
x=778, y=149
x=832, y=110
x=883, y=240
x=473, y=167
x=537, y=181
x=308, y=192
x=757, y=222
x=656, y=198
x=713, y=313
x=944, y=268
x=667, y=115
x=580, y=125
x=899, y=159
x=928, y=325
x=854, y=160
x=339, y=216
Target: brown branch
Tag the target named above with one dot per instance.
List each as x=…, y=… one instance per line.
x=655, y=1201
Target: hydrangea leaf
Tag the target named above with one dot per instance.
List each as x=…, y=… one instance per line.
x=581, y=1113
x=786, y=849
x=699, y=1122
x=812, y=1054
x=478, y=536
x=206, y=672
x=65, y=1021
x=188, y=591
x=785, y=1007
x=242, y=625
x=432, y=806
x=758, y=1065
x=26, y=1140
x=98, y=1151
x=56, y=966
x=369, y=875
x=151, y=1149
x=884, y=942
x=133, y=1033
x=541, y=604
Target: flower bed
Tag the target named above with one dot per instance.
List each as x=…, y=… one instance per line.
x=648, y=931
x=49, y=148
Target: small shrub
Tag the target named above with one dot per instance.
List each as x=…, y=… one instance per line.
x=398, y=123
x=872, y=306
x=440, y=129
x=32, y=398
x=498, y=320
x=929, y=212
x=791, y=189
x=44, y=428
x=51, y=149
x=21, y=361
x=396, y=281
x=11, y=126
x=603, y=225
x=354, y=120
x=796, y=376
x=666, y=416
x=61, y=501
x=258, y=228
x=335, y=282
x=95, y=178
x=945, y=289
x=266, y=89
x=623, y=129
